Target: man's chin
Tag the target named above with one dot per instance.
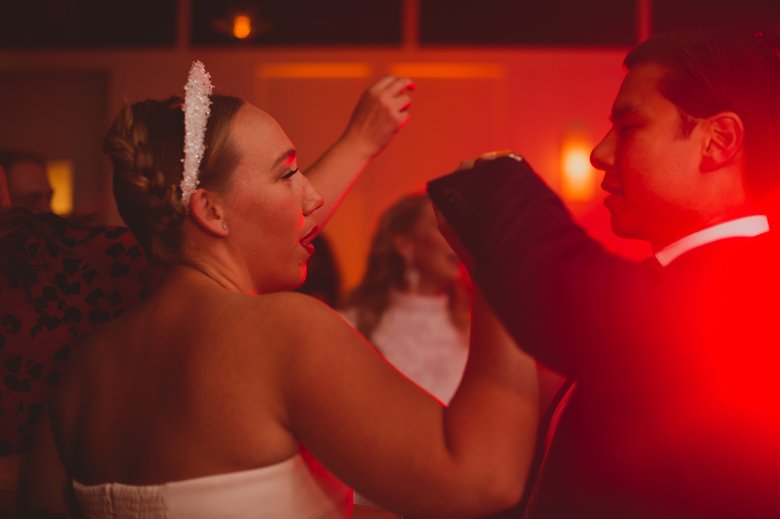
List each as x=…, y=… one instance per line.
x=623, y=228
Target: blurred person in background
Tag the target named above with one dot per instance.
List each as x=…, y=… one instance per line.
x=413, y=301
x=5, y=198
x=28, y=183
x=58, y=283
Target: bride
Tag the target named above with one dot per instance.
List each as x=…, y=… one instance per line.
x=221, y=394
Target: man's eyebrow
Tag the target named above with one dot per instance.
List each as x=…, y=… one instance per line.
x=622, y=112
x=285, y=158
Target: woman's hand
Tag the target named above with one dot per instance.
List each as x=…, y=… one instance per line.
x=382, y=110
x=490, y=155
x=446, y=230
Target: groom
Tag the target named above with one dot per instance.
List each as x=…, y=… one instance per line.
x=675, y=412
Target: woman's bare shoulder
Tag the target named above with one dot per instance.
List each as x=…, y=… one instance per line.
x=300, y=323
x=293, y=311
x=276, y=332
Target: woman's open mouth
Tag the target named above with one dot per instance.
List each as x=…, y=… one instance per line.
x=306, y=240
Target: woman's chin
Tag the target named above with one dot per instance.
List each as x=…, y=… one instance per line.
x=297, y=281
x=283, y=285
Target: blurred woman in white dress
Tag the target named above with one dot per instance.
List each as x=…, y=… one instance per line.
x=413, y=302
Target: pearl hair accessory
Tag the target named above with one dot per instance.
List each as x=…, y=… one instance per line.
x=196, y=114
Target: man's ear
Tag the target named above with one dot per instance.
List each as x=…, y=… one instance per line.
x=724, y=136
x=207, y=210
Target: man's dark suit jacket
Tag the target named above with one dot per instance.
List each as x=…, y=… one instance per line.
x=676, y=412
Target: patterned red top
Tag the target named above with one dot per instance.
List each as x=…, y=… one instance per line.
x=50, y=299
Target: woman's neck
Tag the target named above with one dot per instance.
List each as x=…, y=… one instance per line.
x=211, y=257
x=194, y=271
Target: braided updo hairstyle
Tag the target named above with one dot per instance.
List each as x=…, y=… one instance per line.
x=146, y=147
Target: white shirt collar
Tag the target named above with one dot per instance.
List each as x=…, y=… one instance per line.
x=746, y=227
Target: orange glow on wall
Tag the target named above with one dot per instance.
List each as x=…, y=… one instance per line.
x=578, y=178
x=242, y=26
x=316, y=70
x=448, y=70
x=60, y=173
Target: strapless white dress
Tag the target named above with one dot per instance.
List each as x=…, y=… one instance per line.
x=297, y=488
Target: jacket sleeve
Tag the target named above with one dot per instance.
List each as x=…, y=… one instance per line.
x=562, y=296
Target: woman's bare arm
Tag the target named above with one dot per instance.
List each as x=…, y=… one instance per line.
x=372, y=427
x=394, y=443
x=380, y=113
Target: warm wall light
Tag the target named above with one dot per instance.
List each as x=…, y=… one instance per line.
x=60, y=173
x=577, y=175
x=316, y=70
x=448, y=70
x=242, y=21
x=242, y=26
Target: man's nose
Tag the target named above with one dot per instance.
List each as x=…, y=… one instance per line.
x=603, y=155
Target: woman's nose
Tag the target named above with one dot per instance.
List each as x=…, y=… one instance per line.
x=312, y=199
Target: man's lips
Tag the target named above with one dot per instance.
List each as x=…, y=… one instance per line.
x=306, y=240
x=611, y=189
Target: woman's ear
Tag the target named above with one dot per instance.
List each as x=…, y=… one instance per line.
x=724, y=136
x=207, y=210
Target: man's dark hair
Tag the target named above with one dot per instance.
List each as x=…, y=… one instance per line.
x=709, y=72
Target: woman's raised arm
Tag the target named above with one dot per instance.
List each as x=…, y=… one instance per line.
x=396, y=444
x=381, y=111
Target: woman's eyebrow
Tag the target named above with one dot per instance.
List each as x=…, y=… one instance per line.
x=285, y=158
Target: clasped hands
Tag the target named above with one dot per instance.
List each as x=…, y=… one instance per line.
x=446, y=229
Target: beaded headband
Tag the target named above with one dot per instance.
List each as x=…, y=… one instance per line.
x=196, y=114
